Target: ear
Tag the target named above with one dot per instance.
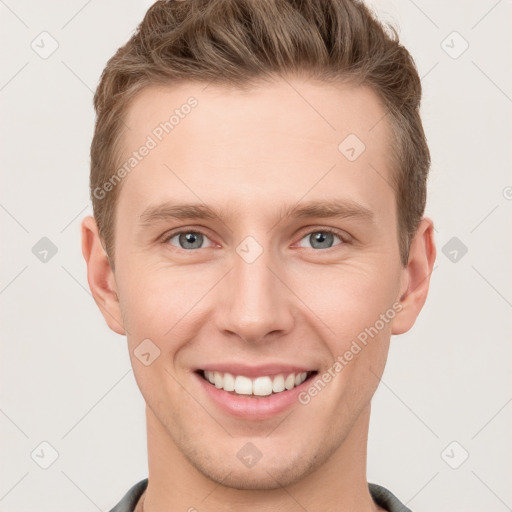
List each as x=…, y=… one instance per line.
x=100, y=275
x=415, y=277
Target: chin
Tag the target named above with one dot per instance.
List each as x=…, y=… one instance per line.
x=279, y=465
x=264, y=476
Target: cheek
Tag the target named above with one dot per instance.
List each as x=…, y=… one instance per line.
x=155, y=301
x=349, y=299
x=164, y=303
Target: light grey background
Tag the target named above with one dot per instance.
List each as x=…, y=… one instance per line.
x=67, y=380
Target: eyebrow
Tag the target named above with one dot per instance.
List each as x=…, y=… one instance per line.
x=321, y=209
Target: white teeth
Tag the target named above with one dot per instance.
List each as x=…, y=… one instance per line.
x=278, y=384
x=243, y=385
x=289, y=383
x=229, y=382
x=260, y=386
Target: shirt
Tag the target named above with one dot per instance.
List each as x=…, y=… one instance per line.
x=380, y=495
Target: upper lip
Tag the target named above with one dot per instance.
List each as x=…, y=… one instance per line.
x=256, y=371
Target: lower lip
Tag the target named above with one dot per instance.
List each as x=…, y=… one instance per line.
x=249, y=407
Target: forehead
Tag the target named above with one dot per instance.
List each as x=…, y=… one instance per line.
x=299, y=106
x=278, y=136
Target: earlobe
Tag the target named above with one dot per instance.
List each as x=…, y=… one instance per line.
x=100, y=276
x=416, y=277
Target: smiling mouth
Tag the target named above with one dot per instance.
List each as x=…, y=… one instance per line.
x=256, y=387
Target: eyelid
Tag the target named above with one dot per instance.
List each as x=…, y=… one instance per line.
x=342, y=235
x=178, y=231
x=327, y=229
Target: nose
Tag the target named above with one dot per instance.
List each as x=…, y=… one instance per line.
x=255, y=303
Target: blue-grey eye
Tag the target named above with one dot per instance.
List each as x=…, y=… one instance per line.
x=189, y=239
x=321, y=239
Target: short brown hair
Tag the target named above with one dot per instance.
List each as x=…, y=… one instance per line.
x=237, y=43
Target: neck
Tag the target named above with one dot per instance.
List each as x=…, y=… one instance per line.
x=175, y=484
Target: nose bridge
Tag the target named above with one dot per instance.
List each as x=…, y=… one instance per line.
x=255, y=302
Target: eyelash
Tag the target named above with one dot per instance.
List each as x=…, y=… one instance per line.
x=344, y=238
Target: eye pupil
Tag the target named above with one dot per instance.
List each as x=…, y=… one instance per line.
x=190, y=238
x=321, y=237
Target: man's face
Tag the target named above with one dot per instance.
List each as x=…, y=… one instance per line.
x=257, y=293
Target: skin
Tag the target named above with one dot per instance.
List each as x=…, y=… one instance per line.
x=251, y=154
